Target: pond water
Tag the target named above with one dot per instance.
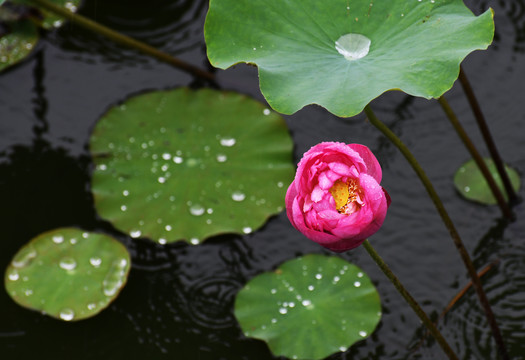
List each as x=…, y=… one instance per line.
x=178, y=302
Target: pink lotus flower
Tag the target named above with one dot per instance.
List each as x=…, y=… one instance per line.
x=335, y=198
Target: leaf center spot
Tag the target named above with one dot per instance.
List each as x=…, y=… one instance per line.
x=353, y=46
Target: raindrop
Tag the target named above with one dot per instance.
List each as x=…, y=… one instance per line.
x=135, y=233
x=336, y=279
x=228, y=142
x=311, y=288
x=273, y=291
x=280, y=184
x=197, y=210
x=68, y=263
x=266, y=111
x=209, y=211
x=123, y=208
x=359, y=274
x=467, y=188
x=70, y=6
x=102, y=167
x=168, y=227
x=194, y=241
x=13, y=275
x=67, y=314
x=238, y=196
x=283, y=311
x=162, y=241
x=343, y=348
x=72, y=241
x=221, y=158
x=24, y=257
x=166, y=156
x=57, y=239
x=307, y=303
x=91, y=306
x=95, y=261
x=247, y=230
x=274, y=321
x=28, y=292
x=318, y=276
x=357, y=284
x=362, y=333
x=161, y=180
x=353, y=46
x=177, y=160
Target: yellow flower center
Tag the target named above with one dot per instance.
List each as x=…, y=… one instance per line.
x=347, y=196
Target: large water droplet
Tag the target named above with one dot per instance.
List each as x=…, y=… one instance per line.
x=95, y=261
x=13, y=275
x=68, y=263
x=228, y=142
x=197, y=210
x=58, y=239
x=353, y=46
x=67, y=314
x=24, y=257
x=238, y=196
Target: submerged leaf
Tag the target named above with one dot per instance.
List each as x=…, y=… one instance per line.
x=68, y=273
x=341, y=54
x=310, y=307
x=183, y=164
x=471, y=183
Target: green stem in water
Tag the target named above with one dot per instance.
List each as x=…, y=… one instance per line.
x=485, y=131
x=410, y=300
x=448, y=223
x=123, y=39
x=504, y=207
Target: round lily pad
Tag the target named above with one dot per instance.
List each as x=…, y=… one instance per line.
x=310, y=307
x=68, y=273
x=341, y=54
x=50, y=19
x=18, y=41
x=184, y=164
x=471, y=183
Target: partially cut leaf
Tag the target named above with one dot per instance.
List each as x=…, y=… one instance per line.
x=17, y=42
x=341, y=54
x=471, y=183
x=50, y=19
x=68, y=273
x=309, y=307
x=184, y=164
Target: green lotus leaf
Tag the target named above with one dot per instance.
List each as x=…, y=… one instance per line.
x=18, y=40
x=68, y=273
x=341, y=54
x=471, y=183
x=310, y=307
x=51, y=20
x=184, y=164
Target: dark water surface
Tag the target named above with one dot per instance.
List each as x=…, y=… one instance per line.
x=179, y=298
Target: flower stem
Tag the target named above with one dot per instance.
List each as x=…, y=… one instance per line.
x=410, y=300
x=485, y=131
x=123, y=39
x=504, y=207
x=448, y=223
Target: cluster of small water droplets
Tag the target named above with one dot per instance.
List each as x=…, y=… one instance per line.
x=115, y=277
